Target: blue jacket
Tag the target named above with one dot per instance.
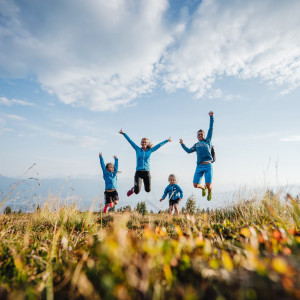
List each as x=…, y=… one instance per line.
x=174, y=192
x=109, y=177
x=143, y=157
x=202, y=147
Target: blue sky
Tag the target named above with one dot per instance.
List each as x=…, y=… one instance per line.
x=72, y=73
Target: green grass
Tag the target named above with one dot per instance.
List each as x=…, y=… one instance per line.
x=248, y=251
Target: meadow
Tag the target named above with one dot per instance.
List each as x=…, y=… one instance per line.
x=250, y=250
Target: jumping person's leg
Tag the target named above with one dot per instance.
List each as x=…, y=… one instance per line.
x=147, y=181
x=116, y=198
x=208, y=180
x=137, y=182
x=197, y=178
x=107, y=196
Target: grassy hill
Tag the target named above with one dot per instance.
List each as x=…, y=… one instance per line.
x=248, y=251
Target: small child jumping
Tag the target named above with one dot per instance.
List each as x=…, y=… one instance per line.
x=110, y=172
x=175, y=194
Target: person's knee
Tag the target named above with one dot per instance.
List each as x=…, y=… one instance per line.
x=195, y=185
x=136, y=190
x=116, y=202
x=147, y=189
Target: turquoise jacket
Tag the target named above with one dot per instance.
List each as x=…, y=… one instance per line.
x=202, y=147
x=109, y=177
x=174, y=192
x=143, y=157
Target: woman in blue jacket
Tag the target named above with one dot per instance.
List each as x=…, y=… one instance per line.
x=204, y=158
x=142, y=163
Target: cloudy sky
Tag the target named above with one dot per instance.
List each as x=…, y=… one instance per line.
x=72, y=73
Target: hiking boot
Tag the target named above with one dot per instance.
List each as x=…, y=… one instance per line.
x=204, y=192
x=209, y=196
x=130, y=192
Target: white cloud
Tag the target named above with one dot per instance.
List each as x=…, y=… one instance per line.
x=244, y=39
x=9, y=102
x=104, y=54
x=3, y=127
x=14, y=117
x=96, y=53
x=82, y=141
x=294, y=138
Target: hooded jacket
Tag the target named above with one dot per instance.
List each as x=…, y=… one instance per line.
x=143, y=156
x=174, y=192
x=109, y=177
x=202, y=147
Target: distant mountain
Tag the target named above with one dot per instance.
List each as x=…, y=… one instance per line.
x=31, y=192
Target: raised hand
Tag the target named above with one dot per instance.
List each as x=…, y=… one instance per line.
x=100, y=154
x=114, y=156
x=181, y=141
x=161, y=199
x=180, y=199
x=121, y=131
x=211, y=113
x=169, y=139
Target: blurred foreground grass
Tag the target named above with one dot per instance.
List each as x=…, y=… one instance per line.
x=248, y=251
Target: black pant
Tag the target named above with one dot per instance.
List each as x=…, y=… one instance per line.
x=138, y=177
x=111, y=196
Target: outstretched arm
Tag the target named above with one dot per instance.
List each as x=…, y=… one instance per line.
x=116, y=166
x=134, y=146
x=211, y=124
x=160, y=144
x=165, y=194
x=180, y=191
x=102, y=164
x=185, y=148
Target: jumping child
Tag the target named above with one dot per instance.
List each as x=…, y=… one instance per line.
x=175, y=194
x=204, y=159
x=110, y=172
x=142, y=163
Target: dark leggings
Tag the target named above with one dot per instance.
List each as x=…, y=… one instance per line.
x=138, y=177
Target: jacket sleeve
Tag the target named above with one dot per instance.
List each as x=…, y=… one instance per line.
x=165, y=193
x=188, y=150
x=102, y=164
x=116, y=166
x=180, y=191
x=210, y=130
x=158, y=146
x=134, y=146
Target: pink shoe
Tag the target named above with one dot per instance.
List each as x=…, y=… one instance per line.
x=130, y=192
x=105, y=209
x=111, y=204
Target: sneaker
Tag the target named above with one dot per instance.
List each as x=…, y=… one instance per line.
x=111, y=204
x=204, y=192
x=105, y=209
x=209, y=196
x=130, y=192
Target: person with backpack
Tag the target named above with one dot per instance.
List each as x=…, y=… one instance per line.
x=204, y=159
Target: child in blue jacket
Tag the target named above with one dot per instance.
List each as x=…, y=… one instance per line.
x=142, y=163
x=175, y=194
x=110, y=172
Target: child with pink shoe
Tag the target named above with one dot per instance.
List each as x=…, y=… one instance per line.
x=110, y=172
